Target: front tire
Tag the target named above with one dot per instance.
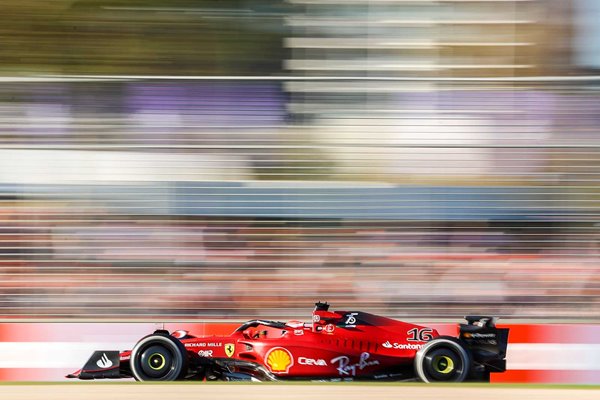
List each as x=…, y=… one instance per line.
x=443, y=359
x=159, y=357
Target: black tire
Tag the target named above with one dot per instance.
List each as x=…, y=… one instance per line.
x=443, y=359
x=158, y=357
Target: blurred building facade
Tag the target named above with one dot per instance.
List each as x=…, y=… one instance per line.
x=206, y=159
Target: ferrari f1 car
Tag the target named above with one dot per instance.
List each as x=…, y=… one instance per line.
x=339, y=345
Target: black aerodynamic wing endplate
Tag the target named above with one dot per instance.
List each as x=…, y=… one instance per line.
x=103, y=364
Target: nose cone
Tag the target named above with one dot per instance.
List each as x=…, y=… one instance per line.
x=179, y=334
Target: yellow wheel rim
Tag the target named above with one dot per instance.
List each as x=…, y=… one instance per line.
x=162, y=361
x=443, y=364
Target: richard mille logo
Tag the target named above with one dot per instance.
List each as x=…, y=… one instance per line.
x=104, y=362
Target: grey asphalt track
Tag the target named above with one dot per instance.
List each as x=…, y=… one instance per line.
x=234, y=391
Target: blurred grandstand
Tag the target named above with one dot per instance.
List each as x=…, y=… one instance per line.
x=204, y=159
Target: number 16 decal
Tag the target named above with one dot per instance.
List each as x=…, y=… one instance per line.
x=419, y=335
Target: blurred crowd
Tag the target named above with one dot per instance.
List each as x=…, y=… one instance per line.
x=205, y=159
x=59, y=266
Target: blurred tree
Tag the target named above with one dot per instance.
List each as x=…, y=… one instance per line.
x=180, y=37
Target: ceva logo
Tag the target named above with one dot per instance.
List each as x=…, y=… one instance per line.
x=311, y=361
x=104, y=362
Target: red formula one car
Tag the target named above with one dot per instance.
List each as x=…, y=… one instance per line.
x=340, y=345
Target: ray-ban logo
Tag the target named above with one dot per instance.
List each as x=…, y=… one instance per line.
x=104, y=362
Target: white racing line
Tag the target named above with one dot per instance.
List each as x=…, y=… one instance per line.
x=52, y=354
x=553, y=356
x=521, y=356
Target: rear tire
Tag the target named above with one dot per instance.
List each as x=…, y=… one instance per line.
x=159, y=357
x=443, y=359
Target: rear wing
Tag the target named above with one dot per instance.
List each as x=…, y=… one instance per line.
x=487, y=342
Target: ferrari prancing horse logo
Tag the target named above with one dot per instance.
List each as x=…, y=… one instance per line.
x=229, y=349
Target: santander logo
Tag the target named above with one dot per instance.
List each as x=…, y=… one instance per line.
x=104, y=362
x=401, y=346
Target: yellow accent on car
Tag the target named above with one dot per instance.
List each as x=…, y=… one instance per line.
x=443, y=364
x=162, y=361
x=229, y=349
x=279, y=360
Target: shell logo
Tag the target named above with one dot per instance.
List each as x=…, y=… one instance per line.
x=279, y=360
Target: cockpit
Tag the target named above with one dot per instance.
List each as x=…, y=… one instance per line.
x=263, y=329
